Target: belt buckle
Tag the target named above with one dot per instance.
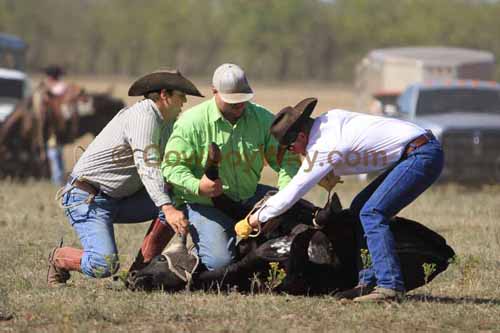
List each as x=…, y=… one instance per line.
x=412, y=145
x=429, y=135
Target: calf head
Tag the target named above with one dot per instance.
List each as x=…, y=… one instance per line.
x=171, y=271
x=156, y=275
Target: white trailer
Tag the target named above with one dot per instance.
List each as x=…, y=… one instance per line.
x=384, y=73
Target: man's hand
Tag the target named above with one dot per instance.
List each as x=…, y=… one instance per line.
x=245, y=227
x=209, y=188
x=253, y=221
x=176, y=219
x=329, y=181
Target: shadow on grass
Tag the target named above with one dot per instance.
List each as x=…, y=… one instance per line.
x=5, y=315
x=452, y=300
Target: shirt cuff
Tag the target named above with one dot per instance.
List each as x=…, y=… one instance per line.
x=266, y=213
x=162, y=200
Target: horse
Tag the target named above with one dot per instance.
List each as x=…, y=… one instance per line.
x=25, y=132
x=21, y=155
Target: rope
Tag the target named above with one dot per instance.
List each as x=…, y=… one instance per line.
x=315, y=224
x=63, y=190
x=257, y=208
x=75, y=152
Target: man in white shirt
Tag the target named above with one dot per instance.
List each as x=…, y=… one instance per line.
x=346, y=143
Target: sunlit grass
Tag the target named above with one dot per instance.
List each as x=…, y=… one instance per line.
x=464, y=298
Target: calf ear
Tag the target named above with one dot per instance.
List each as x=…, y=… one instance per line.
x=335, y=204
x=328, y=213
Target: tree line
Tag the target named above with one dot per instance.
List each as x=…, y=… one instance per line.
x=271, y=39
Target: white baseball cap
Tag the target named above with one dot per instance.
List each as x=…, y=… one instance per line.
x=231, y=83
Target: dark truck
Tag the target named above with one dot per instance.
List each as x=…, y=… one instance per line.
x=464, y=115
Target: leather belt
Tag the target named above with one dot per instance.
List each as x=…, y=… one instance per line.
x=418, y=142
x=84, y=186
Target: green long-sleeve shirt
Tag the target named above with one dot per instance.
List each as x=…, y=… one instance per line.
x=246, y=146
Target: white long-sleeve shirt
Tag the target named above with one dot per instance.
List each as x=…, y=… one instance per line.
x=126, y=155
x=344, y=143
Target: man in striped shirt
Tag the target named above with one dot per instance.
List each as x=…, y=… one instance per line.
x=118, y=180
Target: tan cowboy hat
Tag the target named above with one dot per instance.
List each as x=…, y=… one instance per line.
x=287, y=123
x=163, y=79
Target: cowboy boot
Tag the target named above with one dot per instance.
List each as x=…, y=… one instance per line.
x=154, y=242
x=62, y=260
x=357, y=291
x=380, y=294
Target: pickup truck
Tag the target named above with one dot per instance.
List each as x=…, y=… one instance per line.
x=14, y=82
x=383, y=74
x=465, y=116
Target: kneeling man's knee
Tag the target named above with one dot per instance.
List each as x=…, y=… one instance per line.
x=100, y=265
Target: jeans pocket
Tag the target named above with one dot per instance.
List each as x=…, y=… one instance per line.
x=76, y=207
x=435, y=160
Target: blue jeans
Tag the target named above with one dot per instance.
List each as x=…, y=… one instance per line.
x=56, y=164
x=213, y=231
x=93, y=224
x=384, y=198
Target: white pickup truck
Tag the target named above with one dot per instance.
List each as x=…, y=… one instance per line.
x=14, y=83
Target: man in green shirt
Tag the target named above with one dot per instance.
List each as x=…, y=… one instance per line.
x=241, y=129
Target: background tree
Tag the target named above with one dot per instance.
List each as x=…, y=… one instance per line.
x=271, y=39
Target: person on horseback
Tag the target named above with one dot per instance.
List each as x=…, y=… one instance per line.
x=54, y=121
x=347, y=143
x=118, y=180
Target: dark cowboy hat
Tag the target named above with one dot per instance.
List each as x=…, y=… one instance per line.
x=289, y=120
x=287, y=124
x=163, y=79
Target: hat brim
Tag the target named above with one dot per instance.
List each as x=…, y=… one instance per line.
x=235, y=98
x=163, y=79
x=290, y=119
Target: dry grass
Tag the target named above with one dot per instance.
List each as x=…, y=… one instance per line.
x=272, y=95
x=464, y=298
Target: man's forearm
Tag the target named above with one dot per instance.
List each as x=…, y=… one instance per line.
x=152, y=180
x=181, y=176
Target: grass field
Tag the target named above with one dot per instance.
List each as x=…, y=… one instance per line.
x=464, y=298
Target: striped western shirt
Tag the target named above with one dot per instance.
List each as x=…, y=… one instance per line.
x=126, y=155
